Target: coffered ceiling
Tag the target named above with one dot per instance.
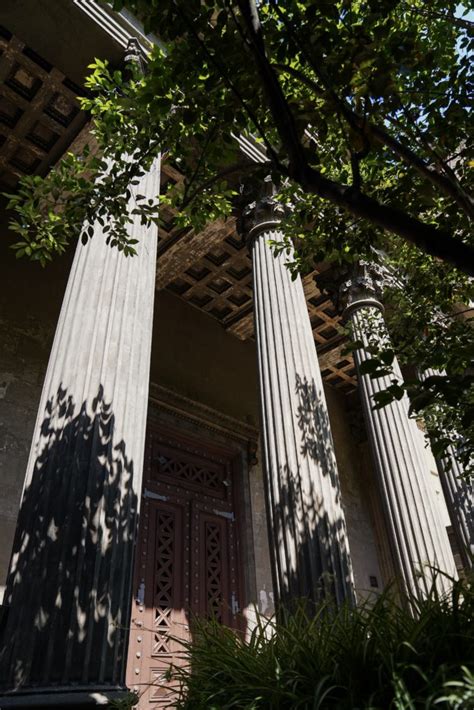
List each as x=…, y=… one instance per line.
x=212, y=271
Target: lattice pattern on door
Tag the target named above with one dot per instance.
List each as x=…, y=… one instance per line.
x=189, y=472
x=164, y=577
x=214, y=594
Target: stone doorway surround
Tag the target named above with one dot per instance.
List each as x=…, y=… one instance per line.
x=194, y=551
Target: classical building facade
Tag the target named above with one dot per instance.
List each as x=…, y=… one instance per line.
x=180, y=432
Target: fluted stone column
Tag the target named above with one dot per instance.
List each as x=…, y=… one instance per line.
x=459, y=497
x=458, y=493
x=419, y=542
x=69, y=588
x=306, y=520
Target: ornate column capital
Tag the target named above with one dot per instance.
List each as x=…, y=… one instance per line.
x=260, y=216
x=134, y=54
x=363, y=288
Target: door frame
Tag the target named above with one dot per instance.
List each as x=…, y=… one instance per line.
x=202, y=430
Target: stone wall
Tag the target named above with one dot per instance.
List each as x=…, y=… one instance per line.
x=264, y=600
x=192, y=354
x=355, y=472
x=30, y=300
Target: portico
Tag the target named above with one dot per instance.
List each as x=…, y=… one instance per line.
x=195, y=398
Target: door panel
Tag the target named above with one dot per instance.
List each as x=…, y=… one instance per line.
x=186, y=558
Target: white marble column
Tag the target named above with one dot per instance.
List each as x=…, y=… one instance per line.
x=69, y=588
x=419, y=542
x=306, y=521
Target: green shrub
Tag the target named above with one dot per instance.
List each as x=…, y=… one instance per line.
x=377, y=656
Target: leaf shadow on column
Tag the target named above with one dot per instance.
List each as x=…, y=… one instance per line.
x=322, y=569
x=69, y=584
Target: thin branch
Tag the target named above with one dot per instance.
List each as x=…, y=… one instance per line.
x=280, y=110
x=209, y=136
x=355, y=167
x=450, y=188
x=433, y=241
x=460, y=313
x=236, y=92
x=436, y=156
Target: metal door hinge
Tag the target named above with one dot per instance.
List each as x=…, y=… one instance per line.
x=224, y=514
x=235, y=604
x=140, y=598
x=154, y=496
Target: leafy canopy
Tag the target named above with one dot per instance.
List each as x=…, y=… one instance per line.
x=362, y=108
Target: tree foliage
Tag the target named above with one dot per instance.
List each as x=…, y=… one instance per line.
x=362, y=108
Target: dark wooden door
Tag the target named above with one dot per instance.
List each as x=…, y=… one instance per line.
x=187, y=556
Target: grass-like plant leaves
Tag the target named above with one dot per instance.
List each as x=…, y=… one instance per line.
x=377, y=656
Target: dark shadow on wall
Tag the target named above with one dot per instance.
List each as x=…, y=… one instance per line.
x=69, y=586
x=309, y=535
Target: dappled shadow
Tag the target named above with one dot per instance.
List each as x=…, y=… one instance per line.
x=69, y=584
x=308, y=534
x=313, y=422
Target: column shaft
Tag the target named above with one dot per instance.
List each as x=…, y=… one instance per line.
x=459, y=498
x=418, y=541
x=307, y=525
x=69, y=587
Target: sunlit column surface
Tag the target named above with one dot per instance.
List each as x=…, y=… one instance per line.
x=306, y=519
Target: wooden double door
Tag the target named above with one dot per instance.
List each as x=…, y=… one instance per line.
x=187, y=556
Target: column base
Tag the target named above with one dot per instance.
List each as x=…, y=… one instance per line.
x=78, y=698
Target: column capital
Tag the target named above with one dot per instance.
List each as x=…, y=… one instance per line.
x=364, y=287
x=259, y=216
x=134, y=54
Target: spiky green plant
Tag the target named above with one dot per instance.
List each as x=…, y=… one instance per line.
x=375, y=657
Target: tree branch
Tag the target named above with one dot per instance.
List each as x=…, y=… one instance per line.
x=210, y=57
x=433, y=241
x=276, y=98
x=449, y=185
x=450, y=188
x=193, y=177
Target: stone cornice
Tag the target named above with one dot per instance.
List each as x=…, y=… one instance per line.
x=195, y=412
x=120, y=26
